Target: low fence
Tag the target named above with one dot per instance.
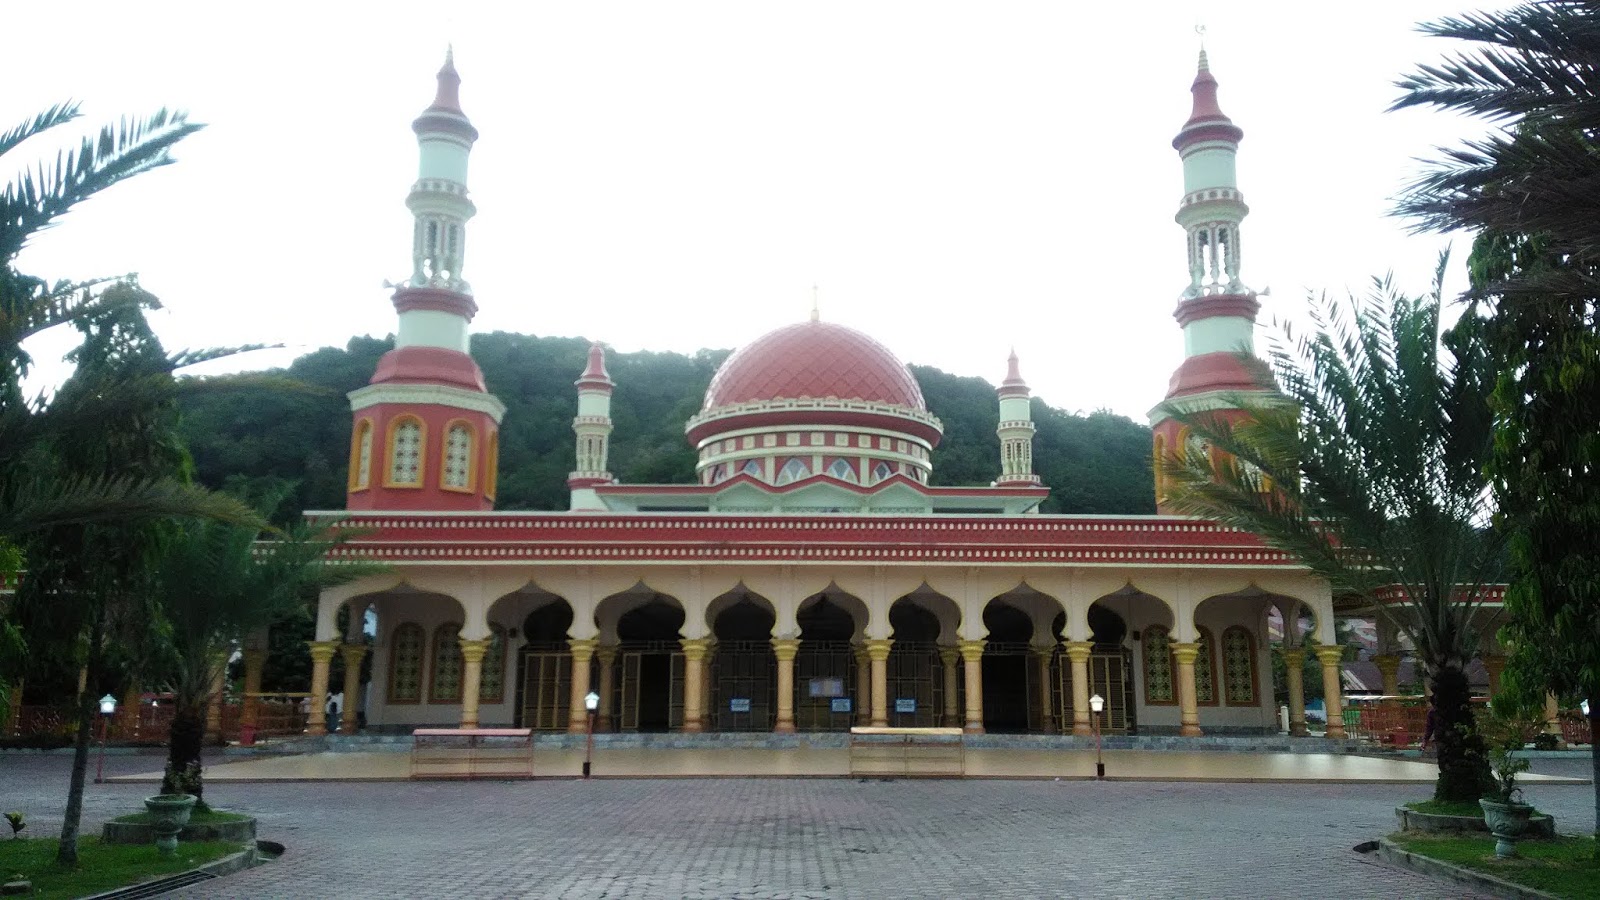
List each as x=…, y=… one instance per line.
x=276, y=715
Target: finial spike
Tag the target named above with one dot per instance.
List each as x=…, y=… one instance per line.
x=816, y=312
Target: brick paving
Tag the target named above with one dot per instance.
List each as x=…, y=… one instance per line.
x=797, y=838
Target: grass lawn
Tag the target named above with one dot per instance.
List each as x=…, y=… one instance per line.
x=101, y=867
x=1565, y=867
x=197, y=817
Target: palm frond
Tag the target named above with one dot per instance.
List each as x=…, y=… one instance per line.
x=36, y=503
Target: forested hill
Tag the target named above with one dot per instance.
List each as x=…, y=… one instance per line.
x=261, y=430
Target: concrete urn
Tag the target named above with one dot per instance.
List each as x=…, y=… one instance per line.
x=171, y=813
x=1508, y=822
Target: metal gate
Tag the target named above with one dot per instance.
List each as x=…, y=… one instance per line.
x=644, y=694
x=744, y=685
x=824, y=671
x=545, y=690
x=916, y=685
x=1110, y=674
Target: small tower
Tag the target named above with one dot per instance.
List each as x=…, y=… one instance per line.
x=1015, y=430
x=426, y=433
x=592, y=426
x=1216, y=310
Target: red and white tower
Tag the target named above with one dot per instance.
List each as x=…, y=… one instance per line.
x=592, y=427
x=1217, y=311
x=1015, y=429
x=426, y=432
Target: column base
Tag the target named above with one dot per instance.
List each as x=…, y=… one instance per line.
x=317, y=730
x=1190, y=731
x=1299, y=729
x=1335, y=734
x=878, y=723
x=1083, y=729
x=602, y=724
x=577, y=728
x=783, y=728
x=972, y=728
x=692, y=728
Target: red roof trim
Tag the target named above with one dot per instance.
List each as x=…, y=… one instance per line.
x=685, y=490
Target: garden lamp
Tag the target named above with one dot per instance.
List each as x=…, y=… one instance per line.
x=108, y=707
x=591, y=702
x=1096, y=704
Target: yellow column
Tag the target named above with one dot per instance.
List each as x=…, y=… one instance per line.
x=1294, y=670
x=1078, y=652
x=863, y=685
x=577, y=714
x=878, y=653
x=950, y=657
x=607, y=655
x=1389, y=666
x=1332, y=697
x=1496, y=665
x=472, y=653
x=1188, y=707
x=353, y=654
x=694, y=676
x=321, y=655
x=1046, y=717
x=255, y=660
x=972, y=667
x=785, y=649
x=707, y=720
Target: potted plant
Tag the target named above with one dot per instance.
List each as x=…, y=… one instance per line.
x=1506, y=732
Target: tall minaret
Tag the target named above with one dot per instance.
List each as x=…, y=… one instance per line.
x=592, y=426
x=1216, y=310
x=1015, y=430
x=426, y=433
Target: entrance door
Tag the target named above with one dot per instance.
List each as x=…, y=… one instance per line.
x=824, y=672
x=1007, y=688
x=545, y=690
x=1109, y=674
x=652, y=690
x=915, y=685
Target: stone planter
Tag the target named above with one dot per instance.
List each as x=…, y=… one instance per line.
x=1508, y=822
x=238, y=831
x=171, y=812
x=1540, y=826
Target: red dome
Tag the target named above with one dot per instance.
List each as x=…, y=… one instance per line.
x=814, y=360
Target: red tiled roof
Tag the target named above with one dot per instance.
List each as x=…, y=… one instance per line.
x=814, y=360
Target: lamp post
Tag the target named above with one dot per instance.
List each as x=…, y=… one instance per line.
x=1096, y=704
x=591, y=702
x=108, y=708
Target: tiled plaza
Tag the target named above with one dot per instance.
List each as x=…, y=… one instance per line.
x=791, y=837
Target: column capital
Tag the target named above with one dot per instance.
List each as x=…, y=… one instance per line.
x=1044, y=652
x=473, y=651
x=323, y=651
x=582, y=648
x=878, y=649
x=352, y=653
x=1185, y=653
x=1330, y=656
x=1295, y=657
x=949, y=655
x=972, y=651
x=785, y=648
x=695, y=649
x=606, y=653
x=1079, y=651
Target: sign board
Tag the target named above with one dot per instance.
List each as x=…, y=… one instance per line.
x=905, y=704
x=739, y=704
x=840, y=705
x=825, y=687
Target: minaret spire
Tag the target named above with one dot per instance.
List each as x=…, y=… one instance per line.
x=438, y=199
x=592, y=428
x=1015, y=429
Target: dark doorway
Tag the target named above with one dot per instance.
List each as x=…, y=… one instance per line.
x=544, y=669
x=916, y=675
x=651, y=688
x=825, y=668
x=743, y=670
x=1006, y=670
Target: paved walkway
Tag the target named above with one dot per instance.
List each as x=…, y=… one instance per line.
x=1121, y=765
x=799, y=838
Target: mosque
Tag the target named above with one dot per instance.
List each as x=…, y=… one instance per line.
x=812, y=578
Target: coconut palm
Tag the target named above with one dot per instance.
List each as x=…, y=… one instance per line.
x=1370, y=471
x=1529, y=189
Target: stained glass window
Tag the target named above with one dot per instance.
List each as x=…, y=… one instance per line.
x=1157, y=649
x=752, y=467
x=1205, y=678
x=446, y=684
x=842, y=470
x=405, y=663
x=492, y=687
x=1238, y=666
x=405, y=453
x=458, y=457
x=793, y=470
x=881, y=471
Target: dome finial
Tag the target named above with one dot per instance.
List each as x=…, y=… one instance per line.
x=816, y=312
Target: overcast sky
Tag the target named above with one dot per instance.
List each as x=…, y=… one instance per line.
x=957, y=178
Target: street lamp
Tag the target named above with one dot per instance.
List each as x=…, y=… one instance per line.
x=108, y=708
x=591, y=702
x=1096, y=704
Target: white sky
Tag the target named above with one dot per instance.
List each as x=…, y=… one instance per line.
x=958, y=178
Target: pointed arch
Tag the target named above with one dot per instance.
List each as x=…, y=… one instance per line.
x=360, y=474
x=881, y=471
x=405, y=446
x=444, y=685
x=754, y=469
x=794, y=470
x=842, y=470
x=407, y=647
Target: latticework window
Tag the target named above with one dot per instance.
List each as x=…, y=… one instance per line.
x=881, y=471
x=1205, y=673
x=793, y=470
x=446, y=684
x=492, y=687
x=842, y=470
x=1157, y=650
x=1239, y=666
x=361, y=463
x=405, y=453
x=458, y=457
x=406, y=649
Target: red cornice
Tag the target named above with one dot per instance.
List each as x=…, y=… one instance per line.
x=801, y=417
x=438, y=299
x=1244, y=306
x=690, y=490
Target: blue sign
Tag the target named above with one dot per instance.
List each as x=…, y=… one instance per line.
x=840, y=705
x=905, y=704
x=739, y=704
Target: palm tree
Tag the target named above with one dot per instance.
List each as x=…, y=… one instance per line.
x=1529, y=189
x=1369, y=470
